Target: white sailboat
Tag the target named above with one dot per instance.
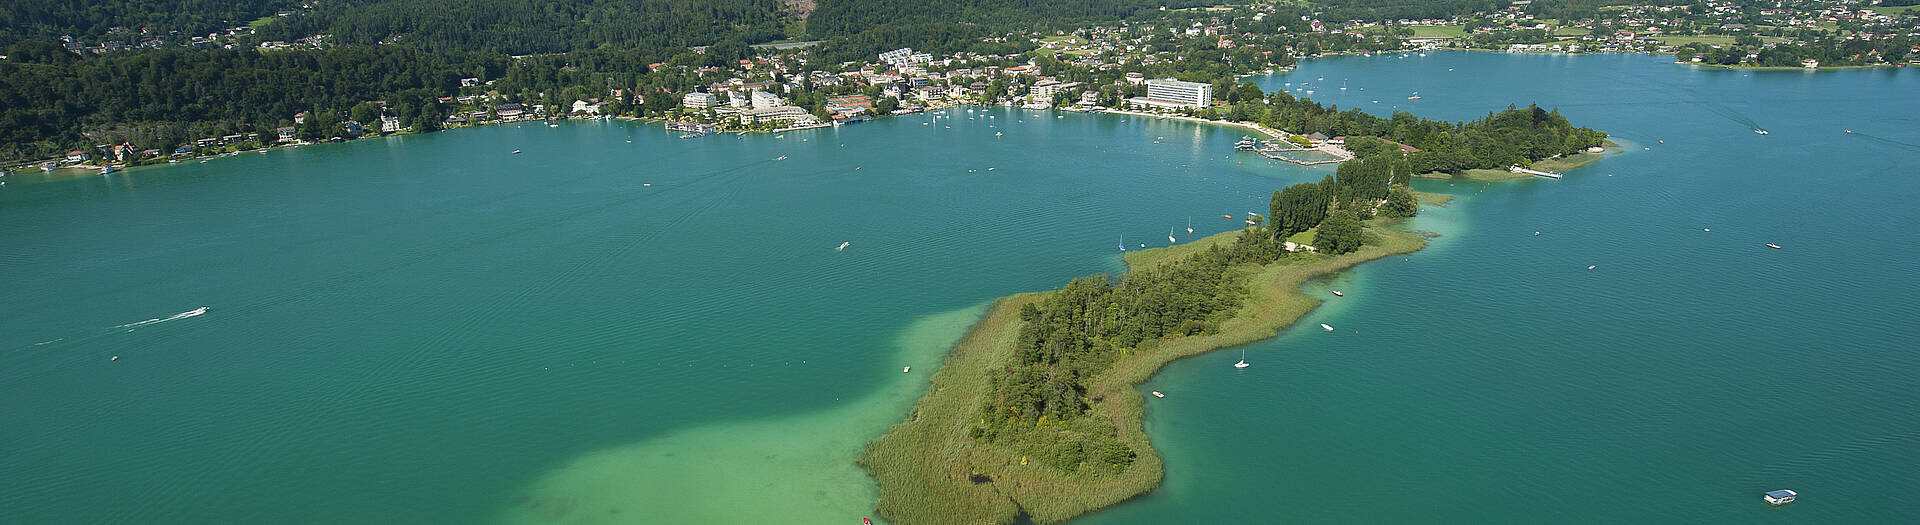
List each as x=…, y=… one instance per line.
x=1243, y=359
x=1189, y=224
x=1123, y=243
x=1170, y=235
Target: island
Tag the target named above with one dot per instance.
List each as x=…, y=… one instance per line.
x=1036, y=413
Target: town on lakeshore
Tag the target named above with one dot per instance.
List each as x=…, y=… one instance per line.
x=1036, y=408
x=1162, y=61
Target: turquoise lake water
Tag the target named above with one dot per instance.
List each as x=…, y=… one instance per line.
x=431, y=329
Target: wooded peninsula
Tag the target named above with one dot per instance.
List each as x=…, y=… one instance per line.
x=1036, y=412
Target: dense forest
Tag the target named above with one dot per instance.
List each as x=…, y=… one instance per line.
x=1039, y=402
x=1512, y=137
x=845, y=17
x=56, y=99
x=1828, y=50
x=1038, y=405
x=92, y=20
x=521, y=27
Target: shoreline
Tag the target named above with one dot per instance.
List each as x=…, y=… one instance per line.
x=929, y=470
x=1274, y=134
x=1559, y=165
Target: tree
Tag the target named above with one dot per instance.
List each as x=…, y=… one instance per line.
x=1400, y=203
x=1340, y=233
x=365, y=112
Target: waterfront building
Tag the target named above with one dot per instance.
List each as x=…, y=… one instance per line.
x=698, y=100
x=285, y=133
x=1185, y=94
x=763, y=100
x=1046, y=89
x=774, y=114
x=389, y=124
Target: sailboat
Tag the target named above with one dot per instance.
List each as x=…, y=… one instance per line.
x=1243, y=359
x=1123, y=243
x=1189, y=224
x=1416, y=96
x=1170, y=236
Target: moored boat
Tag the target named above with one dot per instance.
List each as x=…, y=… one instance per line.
x=1780, y=497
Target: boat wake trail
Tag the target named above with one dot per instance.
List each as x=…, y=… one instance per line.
x=182, y=315
x=1884, y=140
x=1729, y=113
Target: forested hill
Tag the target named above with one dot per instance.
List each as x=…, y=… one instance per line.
x=521, y=27
x=844, y=17
x=91, y=20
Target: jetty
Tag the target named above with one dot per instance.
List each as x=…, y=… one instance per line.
x=1541, y=174
x=691, y=127
x=1273, y=151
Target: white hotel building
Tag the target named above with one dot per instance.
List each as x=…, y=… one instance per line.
x=1168, y=93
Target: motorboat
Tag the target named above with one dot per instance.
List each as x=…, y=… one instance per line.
x=1780, y=497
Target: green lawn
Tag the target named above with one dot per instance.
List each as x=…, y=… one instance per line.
x=1572, y=31
x=1894, y=11
x=1305, y=237
x=1453, y=31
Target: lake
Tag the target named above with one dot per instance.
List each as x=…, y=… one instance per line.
x=618, y=325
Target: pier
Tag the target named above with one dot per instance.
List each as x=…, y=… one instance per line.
x=1340, y=155
x=1542, y=174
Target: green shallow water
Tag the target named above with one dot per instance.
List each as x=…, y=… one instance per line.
x=430, y=329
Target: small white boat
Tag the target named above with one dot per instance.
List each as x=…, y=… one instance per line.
x=1157, y=393
x=906, y=369
x=782, y=157
x=1170, y=236
x=996, y=133
x=1243, y=360
x=516, y=152
x=1326, y=327
x=1336, y=293
x=1780, y=497
x=843, y=246
x=1416, y=96
x=1123, y=243
x=1189, y=224
x=1774, y=246
x=1591, y=266
x=1759, y=131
